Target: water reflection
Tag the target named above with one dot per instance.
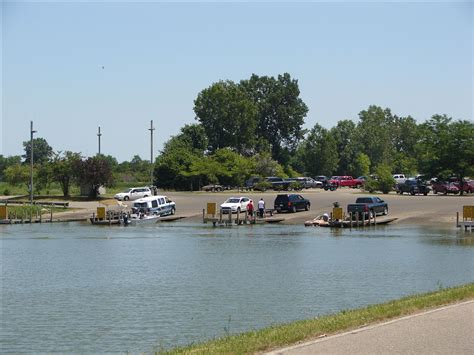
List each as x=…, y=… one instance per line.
x=73, y=287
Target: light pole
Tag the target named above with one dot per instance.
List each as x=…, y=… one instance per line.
x=31, y=161
x=151, y=129
x=98, y=135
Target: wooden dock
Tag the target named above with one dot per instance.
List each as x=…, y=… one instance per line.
x=236, y=219
x=467, y=222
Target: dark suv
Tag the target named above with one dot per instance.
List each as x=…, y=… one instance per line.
x=291, y=202
x=413, y=187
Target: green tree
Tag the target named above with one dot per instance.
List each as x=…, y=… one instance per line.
x=447, y=147
x=374, y=134
x=280, y=113
x=266, y=166
x=459, y=154
x=234, y=169
x=5, y=162
x=386, y=181
x=320, y=152
x=94, y=172
x=227, y=116
x=62, y=169
x=18, y=174
x=362, y=165
x=195, y=136
x=173, y=165
x=346, y=146
x=42, y=151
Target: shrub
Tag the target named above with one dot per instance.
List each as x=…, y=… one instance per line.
x=262, y=186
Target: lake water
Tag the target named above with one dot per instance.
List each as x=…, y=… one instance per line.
x=79, y=288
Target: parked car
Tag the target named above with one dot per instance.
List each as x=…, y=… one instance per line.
x=291, y=202
x=324, y=179
x=467, y=185
x=157, y=205
x=399, y=178
x=305, y=182
x=250, y=183
x=278, y=183
x=444, y=187
x=213, y=188
x=368, y=206
x=345, y=180
x=413, y=187
x=235, y=204
x=133, y=193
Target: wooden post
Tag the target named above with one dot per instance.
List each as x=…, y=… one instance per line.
x=246, y=217
x=110, y=220
x=357, y=219
x=375, y=218
x=220, y=216
x=51, y=217
x=237, y=219
x=31, y=215
x=203, y=215
x=457, y=220
x=350, y=220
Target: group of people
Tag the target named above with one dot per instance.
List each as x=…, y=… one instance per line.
x=261, y=208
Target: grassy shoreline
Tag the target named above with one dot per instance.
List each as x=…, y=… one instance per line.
x=287, y=334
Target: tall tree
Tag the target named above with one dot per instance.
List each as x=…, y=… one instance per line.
x=446, y=147
x=320, y=152
x=281, y=112
x=374, y=133
x=227, y=116
x=62, y=169
x=346, y=146
x=94, y=172
x=42, y=151
x=5, y=162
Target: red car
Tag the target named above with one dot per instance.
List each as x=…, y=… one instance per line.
x=444, y=187
x=467, y=187
x=349, y=181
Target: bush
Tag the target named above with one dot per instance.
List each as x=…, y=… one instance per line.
x=262, y=186
x=295, y=186
x=371, y=185
x=6, y=192
x=386, y=180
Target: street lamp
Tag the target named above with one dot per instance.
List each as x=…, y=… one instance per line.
x=99, y=135
x=31, y=161
x=151, y=129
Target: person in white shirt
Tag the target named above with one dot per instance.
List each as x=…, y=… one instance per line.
x=261, y=207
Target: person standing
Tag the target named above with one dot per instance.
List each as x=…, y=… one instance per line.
x=250, y=209
x=261, y=207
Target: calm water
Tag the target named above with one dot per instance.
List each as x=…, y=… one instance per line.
x=76, y=287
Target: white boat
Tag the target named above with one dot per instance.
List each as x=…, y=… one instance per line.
x=140, y=218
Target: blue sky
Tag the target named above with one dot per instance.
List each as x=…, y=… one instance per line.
x=415, y=58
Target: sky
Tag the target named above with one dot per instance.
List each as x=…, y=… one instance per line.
x=71, y=67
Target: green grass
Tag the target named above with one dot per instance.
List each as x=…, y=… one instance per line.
x=287, y=334
x=25, y=211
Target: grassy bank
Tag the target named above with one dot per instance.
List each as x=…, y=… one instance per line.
x=287, y=334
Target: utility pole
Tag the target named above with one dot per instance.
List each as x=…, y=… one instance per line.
x=31, y=161
x=98, y=135
x=151, y=129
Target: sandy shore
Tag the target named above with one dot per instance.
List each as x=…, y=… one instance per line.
x=422, y=210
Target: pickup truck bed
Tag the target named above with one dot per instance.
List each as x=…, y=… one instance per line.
x=368, y=206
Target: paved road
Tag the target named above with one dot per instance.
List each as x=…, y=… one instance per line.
x=447, y=330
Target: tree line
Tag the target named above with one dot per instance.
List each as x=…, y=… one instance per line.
x=255, y=128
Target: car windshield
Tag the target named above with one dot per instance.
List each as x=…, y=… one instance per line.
x=128, y=190
x=233, y=200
